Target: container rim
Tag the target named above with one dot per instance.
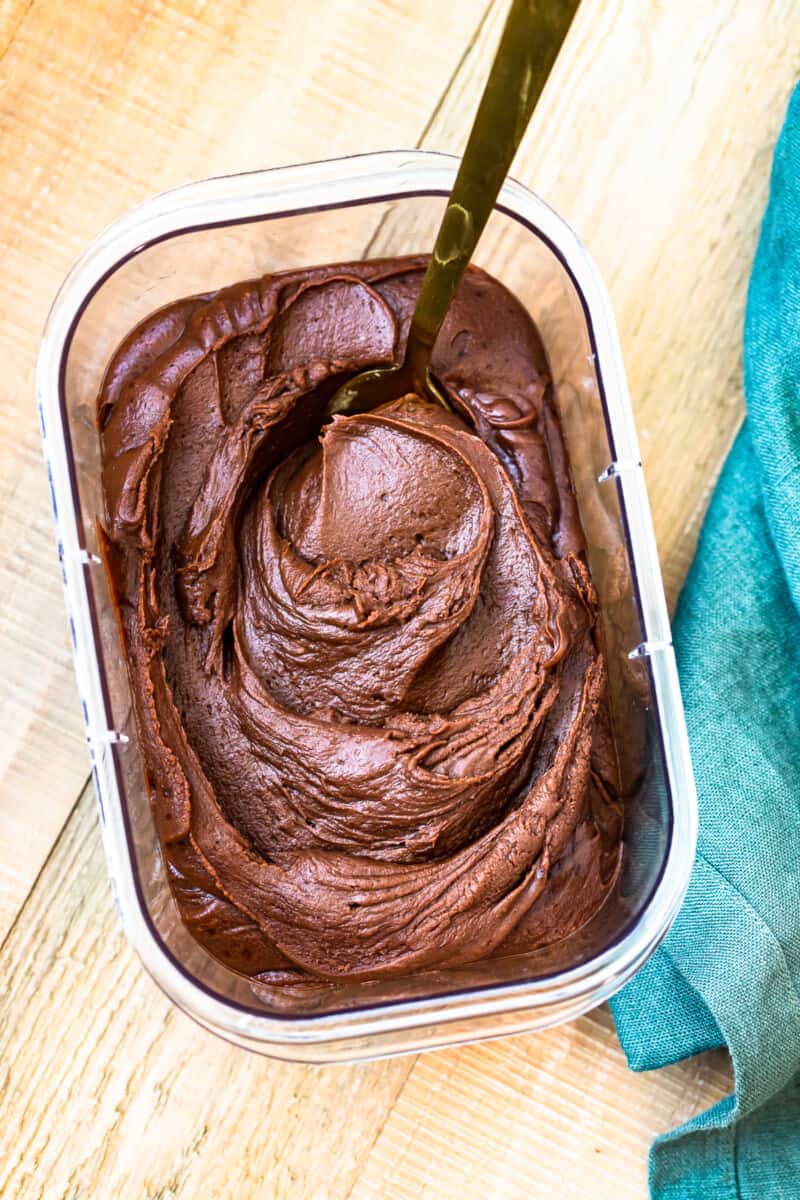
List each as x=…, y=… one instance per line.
x=290, y=191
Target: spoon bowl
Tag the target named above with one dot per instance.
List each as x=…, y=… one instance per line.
x=381, y=385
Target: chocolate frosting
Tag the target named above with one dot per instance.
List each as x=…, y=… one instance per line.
x=365, y=659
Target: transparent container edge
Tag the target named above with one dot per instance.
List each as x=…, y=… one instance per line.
x=261, y=194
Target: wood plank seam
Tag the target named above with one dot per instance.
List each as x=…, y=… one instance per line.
x=11, y=25
x=438, y=108
x=413, y=1060
x=461, y=65
x=44, y=868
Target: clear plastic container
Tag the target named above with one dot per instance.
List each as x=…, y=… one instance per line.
x=209, y=234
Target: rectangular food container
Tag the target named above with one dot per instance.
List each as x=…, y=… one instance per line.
x=201, y=237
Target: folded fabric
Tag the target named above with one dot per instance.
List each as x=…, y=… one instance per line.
x=729, y=971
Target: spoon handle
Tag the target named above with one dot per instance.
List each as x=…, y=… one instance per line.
x=531, y=38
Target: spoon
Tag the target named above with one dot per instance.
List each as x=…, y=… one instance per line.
x=529, y=44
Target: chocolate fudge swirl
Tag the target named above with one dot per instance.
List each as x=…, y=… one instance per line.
x=365, y=660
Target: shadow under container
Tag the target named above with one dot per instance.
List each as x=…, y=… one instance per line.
x=205, y=236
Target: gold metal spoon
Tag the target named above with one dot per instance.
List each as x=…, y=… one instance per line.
x=529, y=44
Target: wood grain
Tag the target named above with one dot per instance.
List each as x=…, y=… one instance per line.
x=109, y=1091
x=11, y=15
x=654, y=139
x=686, y=101
x=102, y=105
x=558, y=1114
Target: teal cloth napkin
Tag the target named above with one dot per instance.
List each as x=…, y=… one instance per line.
x=729, y=970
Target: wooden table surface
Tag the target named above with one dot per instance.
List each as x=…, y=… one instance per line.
x=654, y=140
